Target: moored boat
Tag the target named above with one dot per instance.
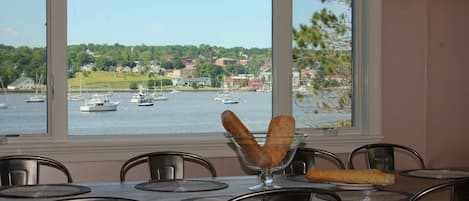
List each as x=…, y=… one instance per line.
x=3, y=105
x=230, y=100
x=99, y=103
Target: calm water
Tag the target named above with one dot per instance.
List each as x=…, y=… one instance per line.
x=185, y=112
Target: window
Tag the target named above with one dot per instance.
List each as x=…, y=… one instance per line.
x=78, y=145
x=23, y=67
x=322, y=79
x=136, y=54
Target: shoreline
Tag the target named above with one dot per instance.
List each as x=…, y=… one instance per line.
x=136, y=90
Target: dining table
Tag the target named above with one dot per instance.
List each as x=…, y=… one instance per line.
x=402, y=189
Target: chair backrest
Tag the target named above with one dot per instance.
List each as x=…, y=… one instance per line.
x=287, y=194
x=166, y=165
x=305, y=159
x=24, y=169
x=381, y=155
x=459, y=190
x=97, y=199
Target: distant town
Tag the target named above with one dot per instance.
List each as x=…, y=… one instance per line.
x=179, y=66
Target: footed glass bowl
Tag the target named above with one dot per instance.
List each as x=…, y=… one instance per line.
x=266, y=158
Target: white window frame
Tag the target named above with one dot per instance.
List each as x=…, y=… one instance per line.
x=101, y=148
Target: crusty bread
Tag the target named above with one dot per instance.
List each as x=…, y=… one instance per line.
x=253, y=151
x=279, y=138
x=368, y=176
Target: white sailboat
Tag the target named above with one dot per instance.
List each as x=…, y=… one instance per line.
x=226, y=96
x=158, y=96
x=3, y=104
x=79, y=96
x=38, y=95
x=174, y=91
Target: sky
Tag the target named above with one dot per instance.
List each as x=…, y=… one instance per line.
x=227, y=23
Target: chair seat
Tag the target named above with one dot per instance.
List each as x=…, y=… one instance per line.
x=166, y=165
x=24, y=169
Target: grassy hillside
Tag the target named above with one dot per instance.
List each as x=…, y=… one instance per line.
x=107, y=80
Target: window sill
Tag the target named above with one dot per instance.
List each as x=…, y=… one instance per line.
x=79, y=149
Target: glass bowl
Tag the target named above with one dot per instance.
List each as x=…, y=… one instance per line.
x=265, y=158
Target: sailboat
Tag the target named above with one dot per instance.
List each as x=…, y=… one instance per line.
x=76, y=97
x=38, y=96
x=158, y=96
x=226, y=96
x=3, y=105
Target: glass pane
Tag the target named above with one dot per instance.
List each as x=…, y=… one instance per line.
x=23, y=67
x=322, y=63
x=168, y=66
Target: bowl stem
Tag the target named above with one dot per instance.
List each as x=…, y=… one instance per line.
x=266, y=181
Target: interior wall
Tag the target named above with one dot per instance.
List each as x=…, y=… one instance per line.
x=448, y=93
x=404, y=73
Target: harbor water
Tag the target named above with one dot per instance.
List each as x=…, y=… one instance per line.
x=182, y=113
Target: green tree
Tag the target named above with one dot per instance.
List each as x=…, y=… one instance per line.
x=133, y=85
x=214, y=72
x=235, y=69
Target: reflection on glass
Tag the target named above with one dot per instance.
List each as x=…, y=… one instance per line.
x=23, y=67
x=171, y=66
x=322, y=63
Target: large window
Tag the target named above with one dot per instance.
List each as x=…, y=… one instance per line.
x=167, y=66
x=190, y=58
x=23, y=67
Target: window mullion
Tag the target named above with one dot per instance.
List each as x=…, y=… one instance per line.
x=281, y=57
x=57, y=62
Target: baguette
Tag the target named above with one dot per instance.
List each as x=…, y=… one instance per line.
x=368, y=176
x=279, y=138
x=253, y=151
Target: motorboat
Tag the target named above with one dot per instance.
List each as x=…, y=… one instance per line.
x=99, y=103
x=145, y=100
x=230, y=100
x=36, y=99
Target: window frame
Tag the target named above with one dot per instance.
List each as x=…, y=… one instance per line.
x=367, y=86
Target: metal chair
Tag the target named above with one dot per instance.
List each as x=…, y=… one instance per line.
x=287, y=194
x=459, y=190
x=167, y=165
x=305, y=159
x=381, y=155
x=97, y=199
x=24, y=169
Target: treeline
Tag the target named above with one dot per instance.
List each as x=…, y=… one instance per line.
x=15, y=61
x=169, y=57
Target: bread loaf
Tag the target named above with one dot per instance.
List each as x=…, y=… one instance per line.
x=253, y=151
x=279, y=138
x=368, y=176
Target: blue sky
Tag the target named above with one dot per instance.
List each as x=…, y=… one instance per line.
x=227, y=23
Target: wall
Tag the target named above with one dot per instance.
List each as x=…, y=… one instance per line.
x=448, y=81
x=404, y=73
x=425, y=69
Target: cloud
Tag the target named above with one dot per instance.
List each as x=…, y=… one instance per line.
x=9, y=31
